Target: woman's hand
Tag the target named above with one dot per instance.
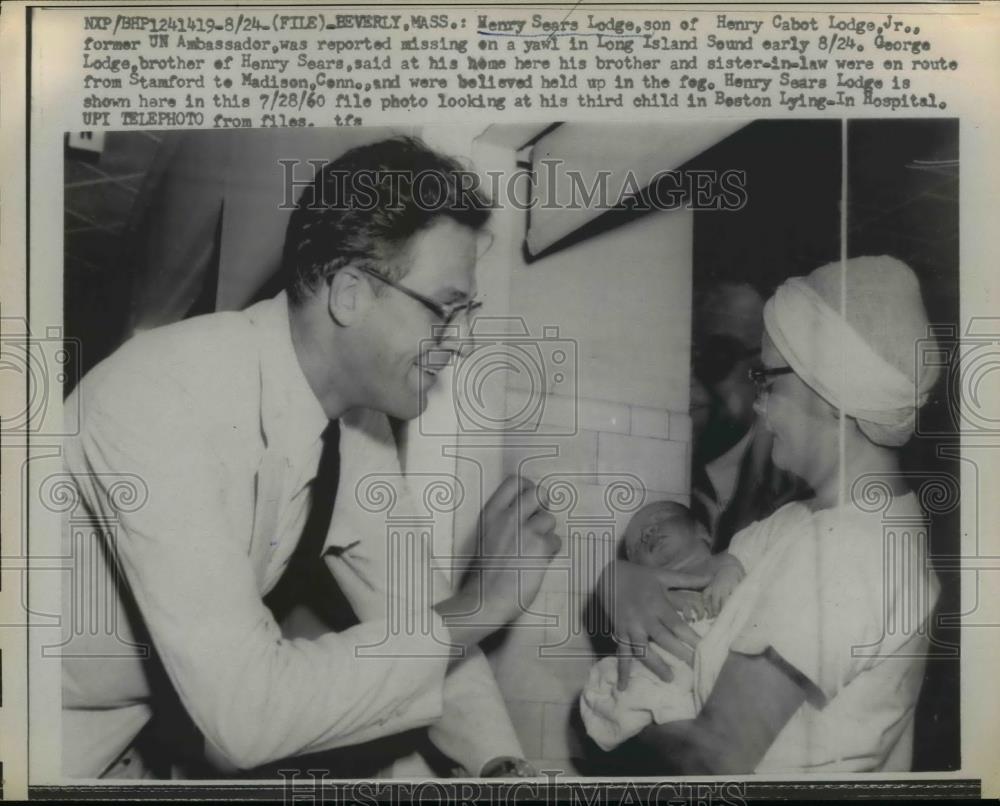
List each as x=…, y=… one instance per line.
x=729, y=573
x=638, y=602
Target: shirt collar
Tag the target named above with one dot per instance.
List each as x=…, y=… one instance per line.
x=724, y=470
x=291, y=413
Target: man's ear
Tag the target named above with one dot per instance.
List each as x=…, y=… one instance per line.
x=349, y=296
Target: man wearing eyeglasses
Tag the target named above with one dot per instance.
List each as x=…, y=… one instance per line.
x=252, y=435
x=734, y=480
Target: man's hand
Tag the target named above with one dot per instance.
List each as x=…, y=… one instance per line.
x=516, y=546
x=639, y=602
x=517, y=532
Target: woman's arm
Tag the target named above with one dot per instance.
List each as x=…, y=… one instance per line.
x=753, y=699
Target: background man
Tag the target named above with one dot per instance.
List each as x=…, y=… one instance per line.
x=232, y=423
x=735, y=481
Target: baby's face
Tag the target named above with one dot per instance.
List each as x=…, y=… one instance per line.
x=666, y=541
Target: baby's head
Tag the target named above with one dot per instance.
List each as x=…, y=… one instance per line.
x=665, y=534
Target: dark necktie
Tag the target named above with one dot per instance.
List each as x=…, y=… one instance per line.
x=700, y=482
x=307, y=581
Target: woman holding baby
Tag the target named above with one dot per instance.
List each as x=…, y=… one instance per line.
x=816, y=658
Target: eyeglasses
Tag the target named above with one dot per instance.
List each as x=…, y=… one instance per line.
x=759, y=377
x=713, y=357
x=446, y=313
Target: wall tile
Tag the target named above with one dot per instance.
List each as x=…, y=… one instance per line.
x=602, y=415
x=680, y=427
x=641, y=273
x=589, y=529
x=574, y=501
x=531, y=413
x=572, y=457
x=656, y=495
x=648, y=422
x=570, y=639
x=572, y=670
x=566, y=608
x=559, y=739
x=578, y=565
x=557, y=578
x=593, y=510
x=531, y=627
x=588, y=560
x=570, y=653
x=546, y=361
x=550, y=666
x=522, y=675
x=659, y=464
x=595, y=502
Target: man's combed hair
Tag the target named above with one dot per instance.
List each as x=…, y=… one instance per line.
x=368, y=203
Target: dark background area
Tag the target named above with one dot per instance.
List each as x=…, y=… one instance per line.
x=106, y=195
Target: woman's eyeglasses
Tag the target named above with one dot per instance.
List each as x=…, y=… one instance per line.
x=446, y=313
x=760, y=377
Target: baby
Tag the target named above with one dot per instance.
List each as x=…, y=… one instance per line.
x=660, y=535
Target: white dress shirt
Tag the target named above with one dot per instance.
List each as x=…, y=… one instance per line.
x=217, y=420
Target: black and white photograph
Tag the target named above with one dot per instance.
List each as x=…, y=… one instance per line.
x=568, y=402
x=524, y=450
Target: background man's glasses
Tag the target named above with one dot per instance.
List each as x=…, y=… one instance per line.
x=446, y=313
x=760, y=377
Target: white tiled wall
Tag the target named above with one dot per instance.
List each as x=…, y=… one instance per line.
x=619, y=457
x=607, y=430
